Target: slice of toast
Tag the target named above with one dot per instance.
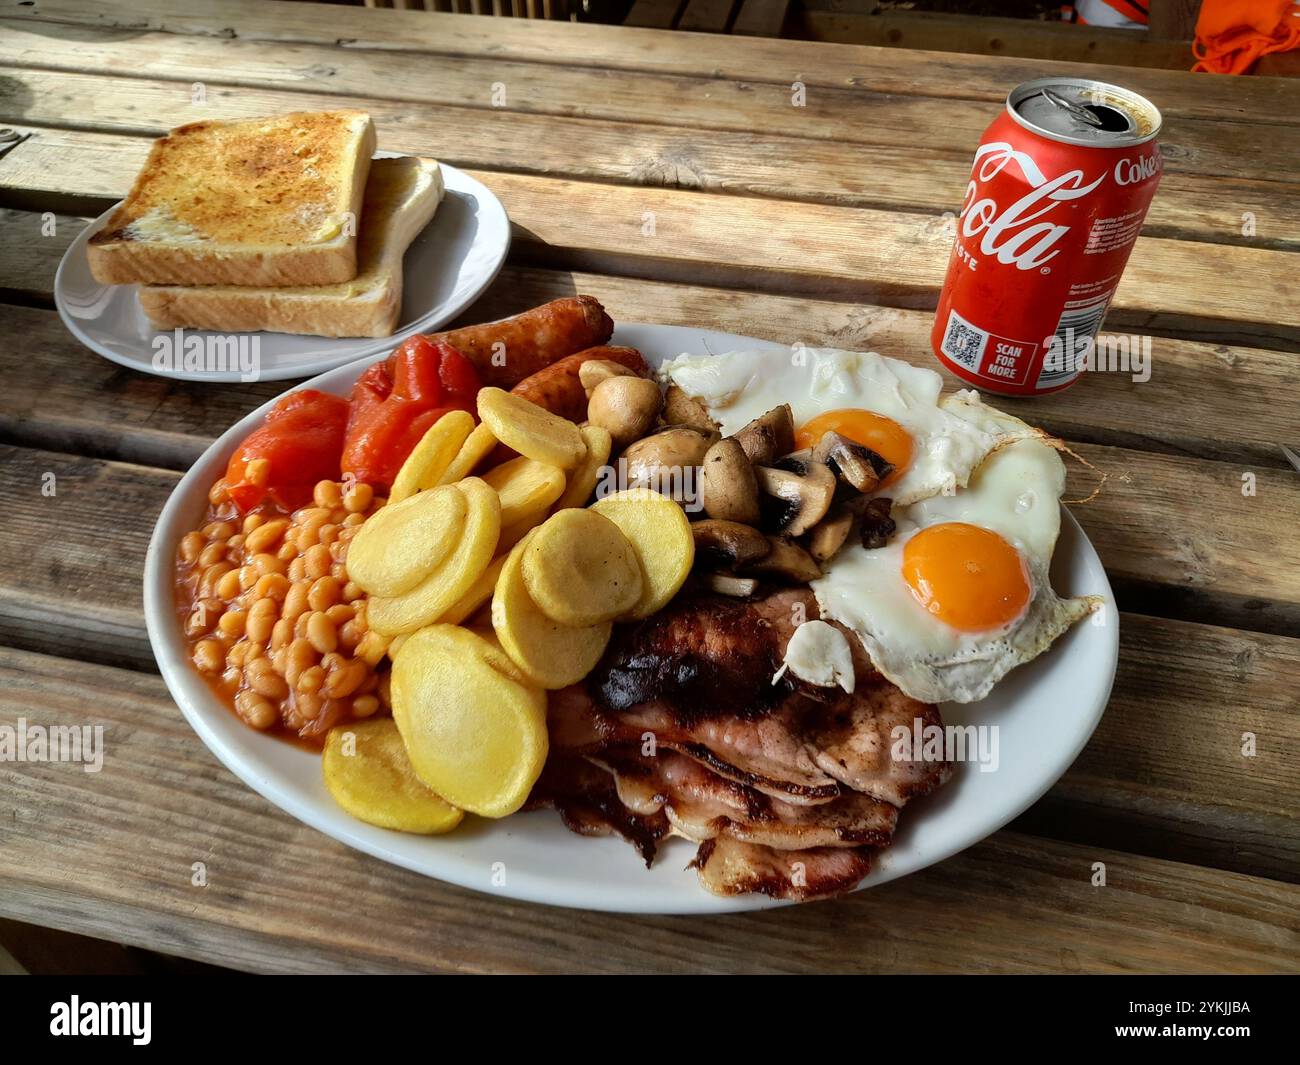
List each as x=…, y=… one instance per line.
x=261, y=202
x=401, y=197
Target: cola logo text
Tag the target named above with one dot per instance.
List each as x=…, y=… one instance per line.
x=1018, y=233
x=1131, y=171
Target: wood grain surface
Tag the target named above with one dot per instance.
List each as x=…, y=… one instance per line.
x=669, y=175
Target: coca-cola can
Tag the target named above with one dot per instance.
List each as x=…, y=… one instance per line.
x=1060, y=185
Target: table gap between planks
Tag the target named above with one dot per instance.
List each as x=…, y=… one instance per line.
x=822, y=223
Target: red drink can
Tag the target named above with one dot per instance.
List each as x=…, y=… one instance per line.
x=1060, y=185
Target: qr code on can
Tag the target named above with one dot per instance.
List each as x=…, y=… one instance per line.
x=963, y=342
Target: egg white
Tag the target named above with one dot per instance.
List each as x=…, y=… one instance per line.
x=1015, y=493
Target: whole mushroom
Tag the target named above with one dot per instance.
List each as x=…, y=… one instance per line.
x=626, y=406
x=728, y=483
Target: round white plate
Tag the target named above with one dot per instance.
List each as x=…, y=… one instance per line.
x=446, y=268
x=1045, y=712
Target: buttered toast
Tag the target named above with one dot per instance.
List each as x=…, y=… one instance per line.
x=264, y=202
x=400, y=199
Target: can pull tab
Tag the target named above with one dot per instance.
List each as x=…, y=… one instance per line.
x=1082, y=114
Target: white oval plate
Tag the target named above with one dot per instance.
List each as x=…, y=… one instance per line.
x=1045, y=711
x=446, y=268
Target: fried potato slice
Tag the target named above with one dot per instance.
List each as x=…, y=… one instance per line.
x=368, y=773
x=427, y=462
x=477, y=446
x=580, y=569
x=527, y=488
x=474, y=731
x=438, y=592
x=402, y=543
x=583, y=476
x=661, y=536
x=547, y=653
x=529, y=429
x=479, y=593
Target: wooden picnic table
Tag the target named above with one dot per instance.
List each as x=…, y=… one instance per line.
x=822, y=223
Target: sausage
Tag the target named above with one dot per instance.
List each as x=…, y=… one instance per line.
x=558, y=389
x=532, y=340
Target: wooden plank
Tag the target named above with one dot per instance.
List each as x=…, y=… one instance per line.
x=750, y=59
x=1202, y=146
x=992, y=36
x=761, y=18
x=706, y=16
x=910, y=176
x=167, y=804
x=1203, y=291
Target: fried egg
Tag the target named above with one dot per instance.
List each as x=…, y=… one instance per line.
x=960, y=594
x=885, y=404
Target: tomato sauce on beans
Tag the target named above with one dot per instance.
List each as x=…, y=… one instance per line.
x=273, y=623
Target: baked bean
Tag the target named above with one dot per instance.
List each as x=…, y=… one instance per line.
x=211, y=575
x=256, y=710
x=310, y=680
x=191, y=545
x=212, y=554
x=340, y=613
x=358, y=497
x=353, y=520
x=228, y=587
x=324, y=593
x=236, y=655
x=317, y=561
x=321, y=633
x=253, y=521
x=329, y=532
x=327, y=494
x=273, y=585
x=235, y=544
x=365, y=705
x=297, y=569
x=247, y=576
x=345, y=679
x=265, y=536
x=254, y=652
x=352, y=592
x=295, y=600
x=261, y=620
x=209, y=656
x=288, y=551
x=349, y=636
x=219, y=492
x=309, y=706
x=266, y=563
x=281, y=634
x=232, y=623
x=264, y=680
x=218, y=530
x=301, y=656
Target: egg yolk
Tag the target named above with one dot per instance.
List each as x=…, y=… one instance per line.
x=883, y=435
x=965, y=576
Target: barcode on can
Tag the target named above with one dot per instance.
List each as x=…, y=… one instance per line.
x=964, y=343
x=1076, y=324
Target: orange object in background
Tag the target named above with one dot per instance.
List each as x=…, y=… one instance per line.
x=297, y=445
x=396, y=401
x=1232, y=34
